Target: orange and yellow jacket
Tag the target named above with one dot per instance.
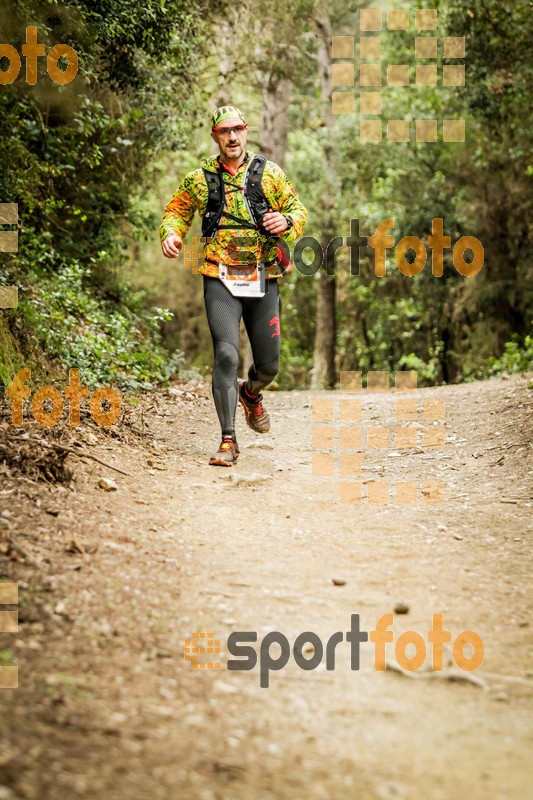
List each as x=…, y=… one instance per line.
x=191, y=196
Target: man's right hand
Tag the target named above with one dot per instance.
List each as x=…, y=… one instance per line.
x=171, y=246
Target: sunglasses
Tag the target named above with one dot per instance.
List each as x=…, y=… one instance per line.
x=226, y=131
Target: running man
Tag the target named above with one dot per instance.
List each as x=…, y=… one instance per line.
x=247, y=205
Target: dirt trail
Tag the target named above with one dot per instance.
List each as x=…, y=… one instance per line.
x=108, y=708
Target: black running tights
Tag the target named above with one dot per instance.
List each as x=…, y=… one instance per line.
x=261, y=319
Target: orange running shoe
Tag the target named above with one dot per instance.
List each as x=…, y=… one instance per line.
x=256, y=416
x=227, y=454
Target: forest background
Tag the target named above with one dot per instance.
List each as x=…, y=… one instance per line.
x=92, y=164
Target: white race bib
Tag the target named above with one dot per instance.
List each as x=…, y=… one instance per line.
x=243, y=281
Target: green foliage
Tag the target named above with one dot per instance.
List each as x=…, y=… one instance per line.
x=108, y=345
x=445, y=327
x=91, y=164
x=75, y=158
x=517, y=357
x=6, y=657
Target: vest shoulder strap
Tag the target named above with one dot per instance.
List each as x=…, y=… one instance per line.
x=254, y=194
x=216, y=202
x=254, y=197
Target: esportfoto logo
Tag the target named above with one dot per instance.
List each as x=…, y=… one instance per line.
x=240, y=644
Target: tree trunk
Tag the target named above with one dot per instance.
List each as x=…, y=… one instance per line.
x=226, y=59
x=324, y=373
x=274, y=125
x=324, y=356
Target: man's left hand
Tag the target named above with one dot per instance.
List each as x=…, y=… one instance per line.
x=275, y=222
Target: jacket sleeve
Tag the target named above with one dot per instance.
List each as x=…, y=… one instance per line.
x=286, y=201
x=179, y=213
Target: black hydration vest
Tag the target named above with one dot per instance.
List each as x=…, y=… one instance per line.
x=254, y=198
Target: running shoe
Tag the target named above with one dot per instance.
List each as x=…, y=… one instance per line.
x=227, y=454
x=256, y=416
